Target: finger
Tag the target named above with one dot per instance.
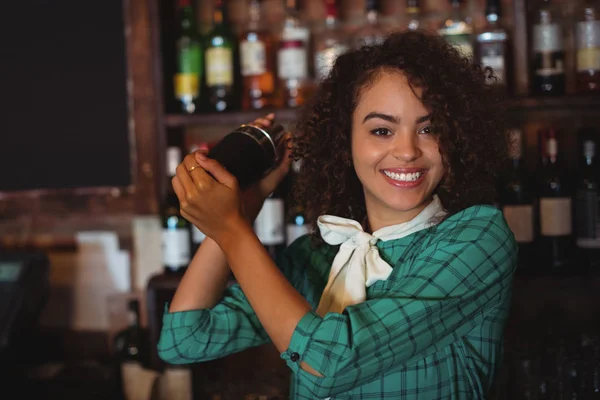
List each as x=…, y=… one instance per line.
x=265, y=121
x=178, y=188
x=185, y=179
x=199, y=176
x=214, y=168
x=200, y=151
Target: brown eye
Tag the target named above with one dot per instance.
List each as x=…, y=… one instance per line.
x=426, y=130
x=381, y=132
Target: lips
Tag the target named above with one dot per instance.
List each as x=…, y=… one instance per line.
x=404, y=177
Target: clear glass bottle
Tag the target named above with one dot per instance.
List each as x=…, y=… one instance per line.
x=588, y=49
x=371, y=31
x=293, y=80
x=329, y=41
x=492, y=42
x=457, y=28
x=548, y=55
x=256, y=59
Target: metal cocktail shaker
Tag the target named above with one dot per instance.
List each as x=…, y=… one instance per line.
x=250, y=151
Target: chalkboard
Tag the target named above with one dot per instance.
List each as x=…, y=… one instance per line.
x=63, y=95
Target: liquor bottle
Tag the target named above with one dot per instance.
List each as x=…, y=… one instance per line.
x=548, y=53
x=293, y=83
x=329, y=41
x=220, y=93
x=587, y=219
x=175, y=228
x=493, y=44
x=588, y=49
x=189, y=59
x=269, y=225
x=256, y=59
x=457, y=28
x=413, y=15
x=555, y=210
x=131, y=351
x=296, y=223
x=516, y=199
x=371, y=32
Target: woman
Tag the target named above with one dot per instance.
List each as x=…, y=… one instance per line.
x=403, y=289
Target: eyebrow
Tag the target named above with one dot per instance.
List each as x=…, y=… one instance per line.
x=393, y=119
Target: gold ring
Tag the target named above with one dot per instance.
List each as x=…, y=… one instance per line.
x=193, y=167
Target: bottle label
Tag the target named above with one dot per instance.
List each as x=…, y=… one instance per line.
x=186, y=85
x=555, y=216
x=325, y=59
x=547, y=38
x=520, y=220
x=492, y=55
x=176, y=247
x=588, y=35
x=269, y=224
x=219, y=66
x=588, y=59
x=292, y=60
x=189, y=65
x=587, y=222
x=296, y=33
x=293, y=232
x=197, y=235
x=253, y=58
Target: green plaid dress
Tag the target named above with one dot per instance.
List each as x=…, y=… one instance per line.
x=432, y=330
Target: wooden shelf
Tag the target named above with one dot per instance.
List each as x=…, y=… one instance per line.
x=232, y=118
x=570, y=102
x=285, y=115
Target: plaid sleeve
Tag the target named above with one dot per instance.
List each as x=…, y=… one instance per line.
x=232, y=325
x=202, y=335
x=448, y=290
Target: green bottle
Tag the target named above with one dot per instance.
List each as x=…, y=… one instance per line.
x=219, y=62
x=188, y=73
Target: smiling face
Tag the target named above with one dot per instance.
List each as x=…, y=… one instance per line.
x=394, y=151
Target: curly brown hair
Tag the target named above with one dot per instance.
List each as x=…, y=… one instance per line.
x=466, y=114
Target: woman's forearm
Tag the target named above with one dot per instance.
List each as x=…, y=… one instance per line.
x=204, y=281
x=277, y=304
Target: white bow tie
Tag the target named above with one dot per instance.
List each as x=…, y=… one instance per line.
x=357, y=264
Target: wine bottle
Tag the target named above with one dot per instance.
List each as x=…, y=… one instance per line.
x=270, y=225
x=554, y=207
x=587, y=221
x=296, y=223
x=548, y=53
x=220, y=90
x=516, y=199
x=189, y=59
x=131, y=351
x=175, y=228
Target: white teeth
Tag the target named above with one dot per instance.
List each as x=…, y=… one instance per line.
x=403, y=177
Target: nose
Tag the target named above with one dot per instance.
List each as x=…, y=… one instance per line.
x=406, y=146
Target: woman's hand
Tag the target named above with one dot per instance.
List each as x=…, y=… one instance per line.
x=211, y=203
x=254, y=196
x=215, y=205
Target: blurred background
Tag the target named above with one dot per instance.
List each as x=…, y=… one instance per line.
x=100, y=100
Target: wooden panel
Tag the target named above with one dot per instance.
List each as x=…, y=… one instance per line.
x=42, y=213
